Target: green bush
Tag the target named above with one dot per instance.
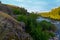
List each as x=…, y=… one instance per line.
x=39, y=31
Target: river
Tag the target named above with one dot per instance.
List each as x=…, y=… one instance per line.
x=56, y=23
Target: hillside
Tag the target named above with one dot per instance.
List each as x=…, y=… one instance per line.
x=12, y=10
x=53, y=14
x=5, y=9
x=11, y=29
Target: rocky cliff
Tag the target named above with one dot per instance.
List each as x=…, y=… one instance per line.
x=11, y=29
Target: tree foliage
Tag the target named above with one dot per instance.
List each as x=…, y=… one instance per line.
x=53, y=14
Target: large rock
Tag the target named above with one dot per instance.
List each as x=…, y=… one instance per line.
x=11, y=29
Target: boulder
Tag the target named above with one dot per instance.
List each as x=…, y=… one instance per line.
x=11, y=29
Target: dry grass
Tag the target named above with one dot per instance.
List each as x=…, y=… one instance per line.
x=5, y=15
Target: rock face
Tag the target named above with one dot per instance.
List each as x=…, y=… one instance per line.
x=5, y=9
x=11, y=29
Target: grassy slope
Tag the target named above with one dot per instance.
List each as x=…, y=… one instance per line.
x=8, y=16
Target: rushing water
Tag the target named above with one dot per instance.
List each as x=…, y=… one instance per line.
x=56, y=23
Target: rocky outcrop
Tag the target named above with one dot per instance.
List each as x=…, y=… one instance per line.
x=5, y=8
x=11, y=29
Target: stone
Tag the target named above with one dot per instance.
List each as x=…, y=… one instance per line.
x=11, y=29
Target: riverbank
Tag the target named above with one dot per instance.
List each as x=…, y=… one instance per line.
x=50, y=18
x=56, y=23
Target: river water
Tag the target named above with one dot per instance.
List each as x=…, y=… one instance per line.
x=56, y=23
